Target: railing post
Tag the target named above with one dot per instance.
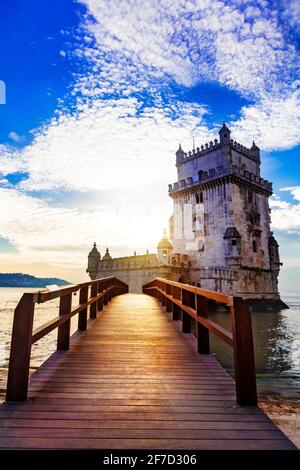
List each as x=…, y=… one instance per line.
x=100, y=301
x=82, y=316
x=168, y=301
x=202, y=331
x=188, y=300
x=20, y=350
x=176, y=310
x=163, y=298
x=105, y=297
x=110, y=292
x=159, y=294
x=93, y=306
x=63, y=332
x=245, y=379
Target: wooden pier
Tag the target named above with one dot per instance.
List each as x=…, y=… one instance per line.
x=130, y=378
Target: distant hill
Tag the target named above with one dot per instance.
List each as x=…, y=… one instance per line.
x=26, y=280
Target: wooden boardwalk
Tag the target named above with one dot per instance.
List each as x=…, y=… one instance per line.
x=133, y=380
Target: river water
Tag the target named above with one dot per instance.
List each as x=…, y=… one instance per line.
x=276, y=337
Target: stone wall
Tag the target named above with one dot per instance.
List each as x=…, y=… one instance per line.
x=136, y=278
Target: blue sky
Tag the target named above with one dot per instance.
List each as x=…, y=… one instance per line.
x=99, y=93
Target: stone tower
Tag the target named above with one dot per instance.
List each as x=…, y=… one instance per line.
x=221, y=219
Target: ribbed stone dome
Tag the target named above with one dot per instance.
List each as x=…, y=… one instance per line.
x=165, y=243
x=231, y=232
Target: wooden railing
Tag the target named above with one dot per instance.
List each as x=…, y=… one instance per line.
x=93, y=295
x=187, y=302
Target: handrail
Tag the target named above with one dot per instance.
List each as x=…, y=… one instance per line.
x=189, y=302
x=93, y=295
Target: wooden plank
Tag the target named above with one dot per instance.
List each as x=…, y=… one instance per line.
x=136, y=416
x=126, y=406
x=177, y=434
x=125, y=443
x=129, y=424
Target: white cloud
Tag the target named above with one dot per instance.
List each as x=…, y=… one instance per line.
x=237, y=44
x=11, y=160
x=41, y=231
x=294, y=190
x=286, y=215
x=292, y=13
x=194, y=40
x=14, y=136
x=110, y=145
x=273, y=122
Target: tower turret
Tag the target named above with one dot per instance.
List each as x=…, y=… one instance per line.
x=107, y=255
x=224, y=134
x=274, y=253
x=179, y=155
x=93, y=260
x=255, y=151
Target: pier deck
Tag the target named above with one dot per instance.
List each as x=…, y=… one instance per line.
x=132, y=379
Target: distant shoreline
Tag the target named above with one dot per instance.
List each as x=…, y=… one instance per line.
x=10, y=280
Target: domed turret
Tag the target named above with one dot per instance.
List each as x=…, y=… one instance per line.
x=93, y=261
x=231, y=232
x=232, y=245
x=107, y=255
x=164, y=249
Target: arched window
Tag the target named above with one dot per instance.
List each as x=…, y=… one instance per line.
x=254, y=246
x=199, y=198
x=200, y=174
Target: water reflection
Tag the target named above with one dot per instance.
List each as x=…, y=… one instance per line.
x=276, y=340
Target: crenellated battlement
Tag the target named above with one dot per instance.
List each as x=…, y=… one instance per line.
x=127, y=262
x=217, y=173
x=183, y=157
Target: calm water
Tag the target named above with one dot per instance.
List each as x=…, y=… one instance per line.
x=276, y=336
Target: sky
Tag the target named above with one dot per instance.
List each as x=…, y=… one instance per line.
x=98, y=95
